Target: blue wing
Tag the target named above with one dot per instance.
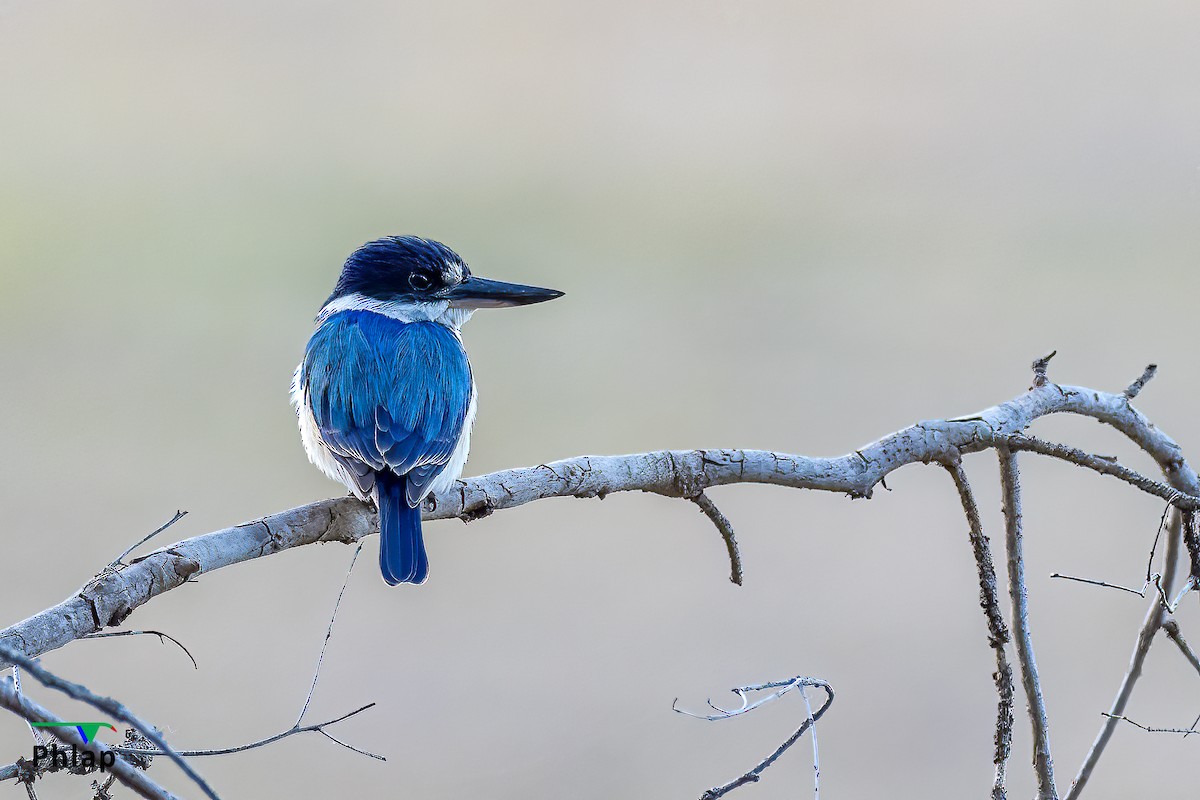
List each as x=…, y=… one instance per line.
x=388, y=395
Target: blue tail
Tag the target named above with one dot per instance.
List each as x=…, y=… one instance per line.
x=401, y=549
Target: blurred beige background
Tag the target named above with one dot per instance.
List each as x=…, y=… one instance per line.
x=787, y=225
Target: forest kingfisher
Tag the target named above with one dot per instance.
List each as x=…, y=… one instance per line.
x=384, y=393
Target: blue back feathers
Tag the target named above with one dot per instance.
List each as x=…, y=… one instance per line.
x=389, y=395
x=390, y=399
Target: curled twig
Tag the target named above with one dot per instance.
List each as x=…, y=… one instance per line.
x=782, y=688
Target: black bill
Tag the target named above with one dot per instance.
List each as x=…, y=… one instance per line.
x=477, y=292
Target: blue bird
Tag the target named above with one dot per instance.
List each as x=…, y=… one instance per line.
x=384, y=393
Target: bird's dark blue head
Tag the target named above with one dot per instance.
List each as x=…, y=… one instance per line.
x=408, y=269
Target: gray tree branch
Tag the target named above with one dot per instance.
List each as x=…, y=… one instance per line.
x=998, y=636
x=1043, y=763
x=110, y=598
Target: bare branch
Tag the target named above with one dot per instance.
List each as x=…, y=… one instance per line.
x=998, y=636
x=114, y=594
x=725, y=527
x=755, y=774
x=1043, y=763
x=109, y=599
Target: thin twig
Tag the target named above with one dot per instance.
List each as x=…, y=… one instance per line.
x=755, y=774
x=1104, y=584
x=1135, y=388
x=998, y=635
x=1169, y=605
x=119, y=560
x=162, y=637
x=328, y=634
x=1043, y=763
x=108, y=706
x=1185, y=731
x=224, y=751
x=296, y=728
x=726, y=528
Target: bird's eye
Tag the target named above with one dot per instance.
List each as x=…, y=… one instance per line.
x=419, y=281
